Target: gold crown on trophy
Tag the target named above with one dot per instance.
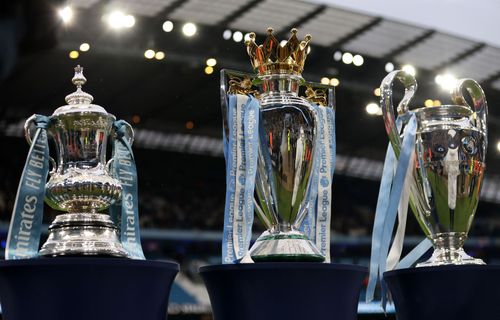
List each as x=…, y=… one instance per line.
x=273, y=58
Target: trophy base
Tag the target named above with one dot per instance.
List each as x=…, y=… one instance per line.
x=284, y=246
x=82, y=234
x=443, y=257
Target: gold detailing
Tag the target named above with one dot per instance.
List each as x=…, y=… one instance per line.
x=273, y=58
x=317, y=96
x=241, y=85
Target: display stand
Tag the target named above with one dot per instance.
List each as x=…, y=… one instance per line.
x=445, y=292
x=291, y=291
x=85, y=288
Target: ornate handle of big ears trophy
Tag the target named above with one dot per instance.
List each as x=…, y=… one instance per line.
x=27, y=136
x=410, y=85
x=479, y=104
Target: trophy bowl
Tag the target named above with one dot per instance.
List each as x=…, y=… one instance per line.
x=450, y=149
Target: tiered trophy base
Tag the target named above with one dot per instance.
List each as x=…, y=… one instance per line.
x=291, y=291
x=445, y=292
x=285, y=246
x=79, y=234
x=85, y=288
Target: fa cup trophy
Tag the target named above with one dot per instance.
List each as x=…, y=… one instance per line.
x=446, y=179
x=287, y=129
x=81, y=183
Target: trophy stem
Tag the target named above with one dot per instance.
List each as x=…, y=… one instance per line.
x=448, y=250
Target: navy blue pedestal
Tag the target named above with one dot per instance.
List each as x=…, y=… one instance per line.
x=446, y=292
x=85, y=288
x=291, y=291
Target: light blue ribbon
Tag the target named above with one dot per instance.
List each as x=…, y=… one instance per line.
x=308, y=227
x=331, y=131
x=415, y=254
x=25, y=225
x=326, y=125
x=251, y=134
x=125, y=213
x=390, y=193
x=228, y=255
x=249, y=119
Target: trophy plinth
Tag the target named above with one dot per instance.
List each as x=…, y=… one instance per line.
x=80, y=183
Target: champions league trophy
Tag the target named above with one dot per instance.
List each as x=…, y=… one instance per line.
x=81, y=183
x=446, y=179
x=288, y=146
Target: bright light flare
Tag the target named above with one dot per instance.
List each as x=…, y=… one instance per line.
x=408, y=68
x=149, y=54
x=227, y=34
x=189, y=29
x=334, y=82
x=84, y=47
x=337, y=55
x=347, y=58
x=446, y=81
x=373, y=109
x=119, y=20
x=237, y=36
x=168, y=26
x=66, y=14
x=211, y=62
x=74, y=54
x=389, y=67
x=209, y=70
x=358, y=60
x=160, y=55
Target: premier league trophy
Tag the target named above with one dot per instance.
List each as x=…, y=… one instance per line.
x=279, y=147
x=81, y=182
x=450, y=150
x=287, y=137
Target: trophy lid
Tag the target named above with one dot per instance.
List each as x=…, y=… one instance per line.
x=79, y=101
x=273, y=58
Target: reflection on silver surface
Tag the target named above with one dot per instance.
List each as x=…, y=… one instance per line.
x=287, y=141
x=81, y=183
x=450, y=148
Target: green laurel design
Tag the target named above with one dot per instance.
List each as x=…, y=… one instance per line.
x=283, y=236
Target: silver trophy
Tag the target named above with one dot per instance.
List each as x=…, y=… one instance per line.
x=288, y=125
x=80, y=182
x=451, y=143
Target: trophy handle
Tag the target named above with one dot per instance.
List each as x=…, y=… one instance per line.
x=27, y=132
x=130, y=132
x=27, y=135
x=107, y=168
x=410, y=85
x=479, y=104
